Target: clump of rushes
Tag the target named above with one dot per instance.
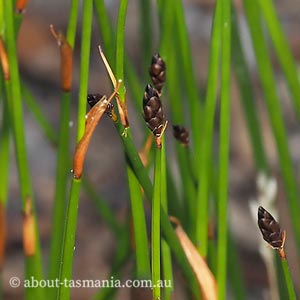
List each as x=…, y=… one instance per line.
x=157, y=72
x=153, y=113
x=271, y=231
x=181, y=134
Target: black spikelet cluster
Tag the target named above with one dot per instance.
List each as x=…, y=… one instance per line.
x=157, y=72
x=270, y=229
x=181, y=134
x=92, y=99
x=153, y=112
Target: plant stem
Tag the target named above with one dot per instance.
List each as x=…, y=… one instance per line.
x=155, y=233
x=288, y=280
x=139, y=227
x=68, y=241
x=192, y=94
x=120, y=46
x=68, y=248
x=283, y=51
x=247, y=96
x=33, y=264
x=211, y=97
x=224, y=150
x=165, y=248
x=63, y=163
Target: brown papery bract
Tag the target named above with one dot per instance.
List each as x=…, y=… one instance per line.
x=66, y=60
x=28, y=229
x=20, y=5
x=4, y=60
x=198, y=264
x=92, y=119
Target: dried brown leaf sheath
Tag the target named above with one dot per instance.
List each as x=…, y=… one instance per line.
x=92, y=119
x=20, y=5
x=4, y=60
x=28, y=229
x=2, y=233
x=66, y=60
x=157, y=72
x=181, y=134
x=270, y=229
x=203, y=274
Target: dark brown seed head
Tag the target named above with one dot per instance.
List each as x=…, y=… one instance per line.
x=181, y=134
x=92, y=99
x=152, y=109
x=270, y=229
x=157, y=72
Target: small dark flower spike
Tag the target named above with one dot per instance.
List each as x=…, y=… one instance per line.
x=153, y=112
x=92, y=99
x=157, y=72
x=181, y=134
x=271, y=230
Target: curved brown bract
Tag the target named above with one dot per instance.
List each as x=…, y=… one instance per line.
x=204, y=276
x=4, y=60
x=92, y=119
x=66, y=57
x=29, y=241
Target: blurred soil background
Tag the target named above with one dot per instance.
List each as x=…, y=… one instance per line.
x=95, y=245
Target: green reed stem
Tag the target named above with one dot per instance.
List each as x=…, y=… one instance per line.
x=68, y=241
x=63, y=165
x=35, y=109
x=165, y=248
x=224, y=150
x=4, y=147
x=283, y=50
x=145, y=33
x=139, y=227
x=67, y=251
x=192, y=94
x=247, y=96
x=288, y=280
x=155, y=228
x=33, y=264
x=209, y=113
x=107, y=32
x=120, y=46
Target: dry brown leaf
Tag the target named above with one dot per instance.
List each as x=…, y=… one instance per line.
x=4, y=60
x=202, y=272
x=92, y=119
x=66, y=60
x=122, y=108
